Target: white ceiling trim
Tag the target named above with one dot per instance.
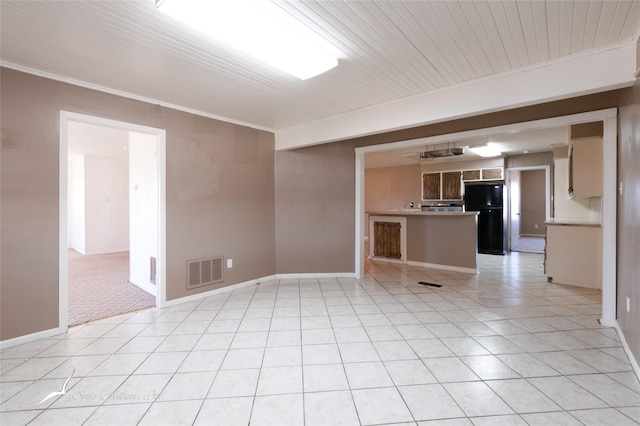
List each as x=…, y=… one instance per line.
x=87, y=85
x=581, y=74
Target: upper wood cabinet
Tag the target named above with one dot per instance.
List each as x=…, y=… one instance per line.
x=431, y=186
x=493, y=173
x=471, y=174
x=442, y=186
x=585, y=167
x=452, y=185
x=448, y=185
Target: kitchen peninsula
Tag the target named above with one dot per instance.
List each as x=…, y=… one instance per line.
x=441, y=240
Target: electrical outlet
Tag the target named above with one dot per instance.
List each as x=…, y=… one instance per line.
x=229, y=263
x=628, y=304
x=620, y=188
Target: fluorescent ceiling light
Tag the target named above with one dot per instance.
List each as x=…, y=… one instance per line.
x=487, y=150
x=259, y=29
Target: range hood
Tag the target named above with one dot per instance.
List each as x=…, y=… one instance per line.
x=439, y=153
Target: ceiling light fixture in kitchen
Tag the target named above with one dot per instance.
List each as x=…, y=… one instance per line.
x=259, y=29
x=444, y=152
x=486, y=150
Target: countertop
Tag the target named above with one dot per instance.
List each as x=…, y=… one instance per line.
x=419, y=213
x=558, y=221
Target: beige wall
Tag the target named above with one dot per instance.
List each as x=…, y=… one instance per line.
x=230, y=214
x=390, y=188
x=315, y=209
x=629, y=218
x=532, y=202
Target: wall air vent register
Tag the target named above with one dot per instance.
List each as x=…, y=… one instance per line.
x=204, y=272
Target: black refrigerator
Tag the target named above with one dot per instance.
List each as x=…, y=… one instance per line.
x=488, y=200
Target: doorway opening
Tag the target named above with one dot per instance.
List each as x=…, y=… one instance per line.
x=112, y=218
x=529, y=207
x=608, y=117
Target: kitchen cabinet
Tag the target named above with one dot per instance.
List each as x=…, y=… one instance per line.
x=573, y=254
x=585, y=167
x=442, y=186
x=492, y=174
x=471, y=174
x=451, y=185
x=387, y=239
x=447, y=185
x=431, y=186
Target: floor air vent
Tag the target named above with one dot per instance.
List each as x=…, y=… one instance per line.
x=204, y=272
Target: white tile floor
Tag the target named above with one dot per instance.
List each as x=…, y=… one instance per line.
x=503, y=347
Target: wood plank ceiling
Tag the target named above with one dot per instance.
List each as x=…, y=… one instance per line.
x=389, y=50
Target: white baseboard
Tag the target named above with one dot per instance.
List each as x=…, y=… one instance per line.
x=96, y=253
x=232, y=287
x=443, y=267
x=387, y=259
x=204, y=295
x=627, y=350
x=27, y=338
x=311, y=276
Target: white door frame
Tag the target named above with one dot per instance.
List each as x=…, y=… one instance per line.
x=609, y=189
x=547, y=192
x=63, y=279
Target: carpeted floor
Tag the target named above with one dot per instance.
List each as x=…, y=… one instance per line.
x=99, y=288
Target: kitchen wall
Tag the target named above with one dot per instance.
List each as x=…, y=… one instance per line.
x=629, y=217
x=220, y=194
x=532, y=202
x=390, y=188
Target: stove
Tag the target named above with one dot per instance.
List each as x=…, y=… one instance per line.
x=443, y=207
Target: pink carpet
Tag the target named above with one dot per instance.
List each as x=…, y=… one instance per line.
x=99, y=288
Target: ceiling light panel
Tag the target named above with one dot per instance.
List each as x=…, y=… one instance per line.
x=258, y=29
x=485, y=150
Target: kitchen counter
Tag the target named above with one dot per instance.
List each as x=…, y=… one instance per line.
x=419, y=213
x=572, y=222
x=574, y=253
x=440, y=240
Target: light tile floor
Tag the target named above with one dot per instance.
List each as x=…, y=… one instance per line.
x=502, y=347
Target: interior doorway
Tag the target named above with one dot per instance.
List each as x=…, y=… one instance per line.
x=112, y=218
x=529, y=195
